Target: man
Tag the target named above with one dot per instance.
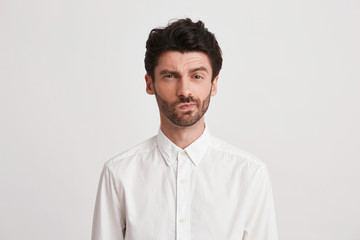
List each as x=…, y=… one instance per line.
x=184, y=183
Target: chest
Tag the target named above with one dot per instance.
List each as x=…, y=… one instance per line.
x=185, y=201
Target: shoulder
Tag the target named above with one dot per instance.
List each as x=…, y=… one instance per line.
x=235, y=155
x=133, y=153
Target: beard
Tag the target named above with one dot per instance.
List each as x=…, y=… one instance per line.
x=179, y=118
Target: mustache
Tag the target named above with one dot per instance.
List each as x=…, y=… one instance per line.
x=187, y=99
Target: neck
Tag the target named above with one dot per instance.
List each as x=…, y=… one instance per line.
x=182, y=136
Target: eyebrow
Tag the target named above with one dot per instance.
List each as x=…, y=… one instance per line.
x=198, y=69
x=168, y=72
x=190, y=71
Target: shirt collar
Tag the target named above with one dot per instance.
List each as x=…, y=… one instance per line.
x=195, y=150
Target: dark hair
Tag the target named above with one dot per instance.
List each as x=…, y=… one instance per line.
x=182, y=35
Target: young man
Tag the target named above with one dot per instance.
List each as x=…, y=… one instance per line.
x=184, y=183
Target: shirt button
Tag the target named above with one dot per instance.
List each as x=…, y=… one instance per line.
x=182, y=220
x=183, y=180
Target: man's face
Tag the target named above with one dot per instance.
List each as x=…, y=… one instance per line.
x=182, y=86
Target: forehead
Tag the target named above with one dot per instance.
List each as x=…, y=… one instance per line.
x=178, y=61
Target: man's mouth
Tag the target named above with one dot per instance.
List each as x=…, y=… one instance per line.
x=187, y=106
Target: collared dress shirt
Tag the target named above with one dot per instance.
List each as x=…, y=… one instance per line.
x=208, y=191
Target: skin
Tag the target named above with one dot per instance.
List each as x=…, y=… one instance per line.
x=183, y=89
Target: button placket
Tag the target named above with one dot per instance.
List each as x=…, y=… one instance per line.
x=182, y=197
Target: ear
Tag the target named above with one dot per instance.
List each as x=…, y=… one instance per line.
x=149, y=85
x=214, y=86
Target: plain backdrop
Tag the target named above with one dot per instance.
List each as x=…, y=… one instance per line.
x=72, y=96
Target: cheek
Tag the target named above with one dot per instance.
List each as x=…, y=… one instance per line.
x=165, y=91
x=160, y=88
x=204, y=92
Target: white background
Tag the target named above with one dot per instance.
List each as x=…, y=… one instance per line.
x=72, y=96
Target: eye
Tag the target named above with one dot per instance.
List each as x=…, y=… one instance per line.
x=198, y=77
x=169, y=76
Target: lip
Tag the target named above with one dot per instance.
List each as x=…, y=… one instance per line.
x=187, y=106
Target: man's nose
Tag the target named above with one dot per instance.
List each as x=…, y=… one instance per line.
x=184, y=87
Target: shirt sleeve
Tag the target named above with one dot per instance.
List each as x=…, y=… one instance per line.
x=109, y=215
x=261, y=220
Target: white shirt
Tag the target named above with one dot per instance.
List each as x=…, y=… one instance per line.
x=208, y=191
